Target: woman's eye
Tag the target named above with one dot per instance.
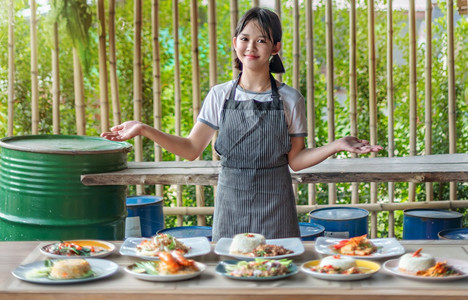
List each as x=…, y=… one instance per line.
x=261, y=41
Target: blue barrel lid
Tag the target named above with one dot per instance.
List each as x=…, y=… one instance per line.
x=454, y=234
x=64, y=144
x=433, y=213
x=188, y=231
x=309, y=229
x=143, y=200
x=339, y=213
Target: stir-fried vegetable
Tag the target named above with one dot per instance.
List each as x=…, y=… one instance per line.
x=259, y=268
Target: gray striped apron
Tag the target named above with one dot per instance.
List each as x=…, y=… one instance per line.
x=254, y=191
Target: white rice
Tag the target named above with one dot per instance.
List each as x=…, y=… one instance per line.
x=338, y=261
x=410, y=263
x=246, y=242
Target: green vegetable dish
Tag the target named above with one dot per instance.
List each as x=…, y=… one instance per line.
x=259, y=268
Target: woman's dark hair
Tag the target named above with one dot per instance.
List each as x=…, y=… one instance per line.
x=269, y=22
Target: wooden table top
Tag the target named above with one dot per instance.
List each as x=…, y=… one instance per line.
x=210, y=285
x=428, y=168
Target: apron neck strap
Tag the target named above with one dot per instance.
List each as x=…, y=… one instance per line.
x=274, y=89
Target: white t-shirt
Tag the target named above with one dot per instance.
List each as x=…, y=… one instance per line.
x=293, y=105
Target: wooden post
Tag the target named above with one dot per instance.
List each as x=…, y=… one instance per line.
x=103, y=93
x=79, y=94
x=157, y=106
x=137, y=84
x=196, y=98
x=372, y=104
x=116, y=115
x=413, y=86
x=452, y=107
x=310, y=90
x=177, y=97
x=353, y=88
x=391, y=112
x=428, y=98
x=34, y=72
x=234, y=13
x=330, y=88
x=11, y=66
x=55, y=81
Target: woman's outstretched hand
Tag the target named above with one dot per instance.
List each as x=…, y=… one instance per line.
x=124, y=131
x=354, y=145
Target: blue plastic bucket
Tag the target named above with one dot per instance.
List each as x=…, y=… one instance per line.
x=454, y=234
x=341, y=222
x=145, y=216
x=309, y=231
x=188, y=231
x=425, y=224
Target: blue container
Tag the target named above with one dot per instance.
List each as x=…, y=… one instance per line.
x=309, y=231
x=454, y=234
x=425, y=224
x=188, y=231
x=341, y=222
x=145, y=216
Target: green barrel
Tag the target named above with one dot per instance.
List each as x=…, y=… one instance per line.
x=41, y=194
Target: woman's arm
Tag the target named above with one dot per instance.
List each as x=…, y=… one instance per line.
x=189, y=148
x=301, y=157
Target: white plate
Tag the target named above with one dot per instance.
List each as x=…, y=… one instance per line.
x=386, y=247
x=221, y=269
x=176, y=277
x=294, y=244
x=101, y=267
x=391, y=266
x=198, y=246
x=372, y=268
x=96, y=243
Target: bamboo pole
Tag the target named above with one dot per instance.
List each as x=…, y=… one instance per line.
x=116, y=115
x=413, y=95
x=255, y=3
x=279, y=76
x=372, y=207
x=310, y=90
x=79, y=94
x=234, y=13
x=103, y=90
x=391, y=112
x=296, y=63
x=452, y=108
x=213, y=71
x=196, y=98
x=177, y=92
x=353, y=88
x=137, y=82
x=372, y=104
x=11, y=66
x=330, y=88
x=55, y=81
x=428, y=98
x=34, y=72
x=157, y=104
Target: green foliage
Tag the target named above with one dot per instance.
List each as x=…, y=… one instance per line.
x=85, y=33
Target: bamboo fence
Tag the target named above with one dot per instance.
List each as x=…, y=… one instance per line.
x=108, y=57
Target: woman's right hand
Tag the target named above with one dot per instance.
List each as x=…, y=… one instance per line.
x=124, y=131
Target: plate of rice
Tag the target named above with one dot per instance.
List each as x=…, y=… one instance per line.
x=248, y=246
x=340, y=268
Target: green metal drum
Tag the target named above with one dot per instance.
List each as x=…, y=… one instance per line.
x=41, y=194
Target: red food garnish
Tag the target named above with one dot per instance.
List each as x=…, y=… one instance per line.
x=416, y=253
x=341, y=244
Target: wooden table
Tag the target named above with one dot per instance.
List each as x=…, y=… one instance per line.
x=209, y=285
x=429, y=168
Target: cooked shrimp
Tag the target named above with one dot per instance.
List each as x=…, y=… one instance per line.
x=180, y=258
x=168, y=262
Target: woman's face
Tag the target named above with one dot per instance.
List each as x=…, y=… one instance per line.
x=253, y=48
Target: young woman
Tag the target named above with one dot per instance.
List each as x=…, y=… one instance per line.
x=262, y=125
